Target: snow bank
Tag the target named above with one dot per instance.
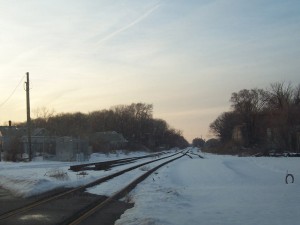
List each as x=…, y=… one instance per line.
x=26, y=187
x=25, y=179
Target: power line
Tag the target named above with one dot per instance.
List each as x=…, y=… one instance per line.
x=5, y=101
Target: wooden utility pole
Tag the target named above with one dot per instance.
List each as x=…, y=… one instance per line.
x=28, y=117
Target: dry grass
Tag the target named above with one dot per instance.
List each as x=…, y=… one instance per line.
x=58, y=174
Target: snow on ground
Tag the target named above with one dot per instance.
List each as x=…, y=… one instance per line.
x=114, y=185
x=223, y=190
x=218, y=190
x=27, y=179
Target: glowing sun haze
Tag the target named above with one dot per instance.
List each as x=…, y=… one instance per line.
x=184, y=57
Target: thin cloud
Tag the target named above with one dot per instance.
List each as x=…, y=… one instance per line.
x=56, y=96
x=133, y=23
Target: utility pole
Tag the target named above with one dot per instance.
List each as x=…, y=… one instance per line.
x=28, y=116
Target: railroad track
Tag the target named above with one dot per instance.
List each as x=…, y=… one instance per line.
x=200, y=156
x=91, y=208
x=105, y=165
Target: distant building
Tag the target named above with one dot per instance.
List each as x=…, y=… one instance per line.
x=10, y=140
x=72, y=149
x=238, y=134
x=270, y=134
x=14, y=145
x=42, y=143
x=105, y=141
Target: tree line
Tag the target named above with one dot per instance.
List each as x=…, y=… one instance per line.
x=135, y=122
x=263, y=119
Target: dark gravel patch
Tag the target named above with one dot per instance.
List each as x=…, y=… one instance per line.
x=59, y=210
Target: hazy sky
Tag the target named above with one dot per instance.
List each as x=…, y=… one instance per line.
x=185, y=57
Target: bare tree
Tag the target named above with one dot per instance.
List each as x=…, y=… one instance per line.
x=249, y=104
x=43, y=112
x=249, y=101
x=223, y=126
x=296, y=96
x=280, y=95
x=198, y=142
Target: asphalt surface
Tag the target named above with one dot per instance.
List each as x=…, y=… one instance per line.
x=57, y=211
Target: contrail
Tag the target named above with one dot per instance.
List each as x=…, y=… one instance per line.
x=136, y=21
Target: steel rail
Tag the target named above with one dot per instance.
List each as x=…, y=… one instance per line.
x=94, y=207
x=85, y=166
x=80, y=188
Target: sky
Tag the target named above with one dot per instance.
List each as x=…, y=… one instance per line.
x=185, y=57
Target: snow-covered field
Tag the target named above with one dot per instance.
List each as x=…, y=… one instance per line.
x=216, y=190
